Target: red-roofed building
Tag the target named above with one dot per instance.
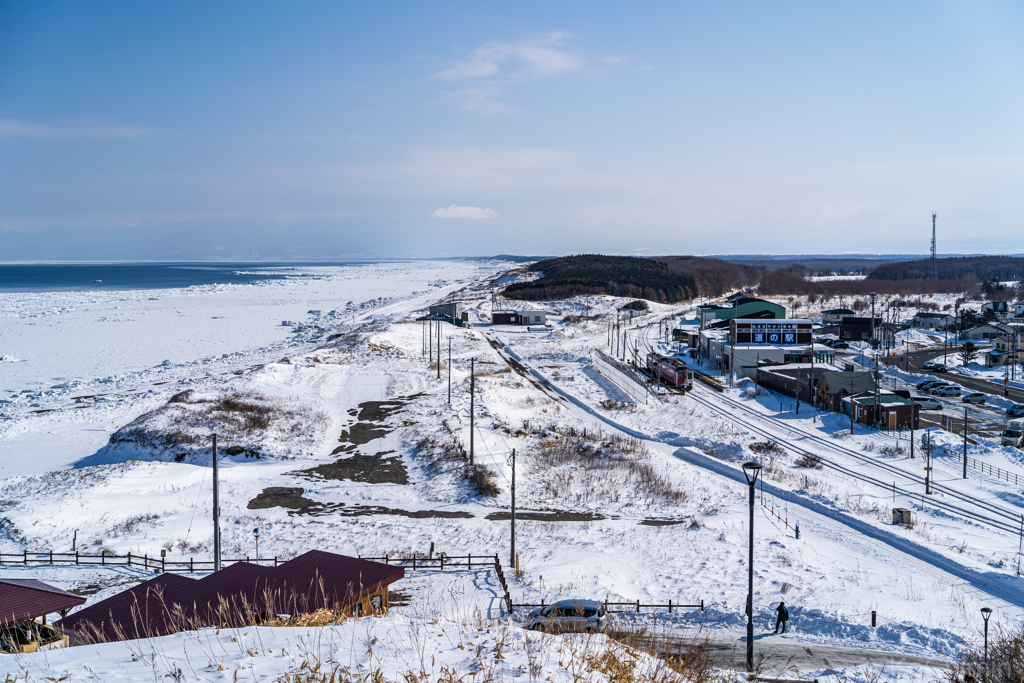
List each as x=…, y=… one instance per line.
x=22, y=602
x=237, y=595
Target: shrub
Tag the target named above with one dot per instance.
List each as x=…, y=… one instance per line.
x=809, y=461
x=767, y=448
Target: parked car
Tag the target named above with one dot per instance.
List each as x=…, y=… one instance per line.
x=924, y=385
x=946, y=390
x=939, y=367
x=1016, y=410
x=927, y=403
x=839, y=345
x=974, y=397
x=1013, y=435
x=573, y=616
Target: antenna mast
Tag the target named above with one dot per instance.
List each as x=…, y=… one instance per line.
x=935, y=267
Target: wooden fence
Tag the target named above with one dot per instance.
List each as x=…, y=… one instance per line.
x=153, y=564
x=636, y=606
x=163, y=565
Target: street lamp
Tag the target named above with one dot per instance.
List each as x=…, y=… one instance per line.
x=256, y=533
x=986, y=612
x=750, y=471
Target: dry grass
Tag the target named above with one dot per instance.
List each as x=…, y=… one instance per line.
x=585, y=466
x=242, y=420
x=481, y=480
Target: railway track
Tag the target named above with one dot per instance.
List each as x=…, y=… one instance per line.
x=993, y=516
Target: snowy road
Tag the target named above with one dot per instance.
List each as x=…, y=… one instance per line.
x=787, y=654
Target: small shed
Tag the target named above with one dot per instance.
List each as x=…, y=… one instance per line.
x=452, y=310
x=504, y=318
x=902, y=516
x=24, y=604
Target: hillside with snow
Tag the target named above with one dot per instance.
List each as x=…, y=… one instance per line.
x=341, y=436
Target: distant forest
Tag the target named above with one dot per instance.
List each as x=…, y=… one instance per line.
x=1003, y=268
x=664, y=279
x=786, y=282
x=713, y=276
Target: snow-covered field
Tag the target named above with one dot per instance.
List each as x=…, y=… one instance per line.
x=337, y=434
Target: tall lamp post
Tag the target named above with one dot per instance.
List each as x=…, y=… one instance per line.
x=750, y=471
x=986, y=612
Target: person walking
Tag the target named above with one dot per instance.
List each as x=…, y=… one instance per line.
x=782, y=618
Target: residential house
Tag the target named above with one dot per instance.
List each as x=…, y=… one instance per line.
x=797, y=380
x=853, y=329
x=999, y=308
x=833, y=386
x=834, y=316
x=933, y=321
x=985, y=332
x=1004, y=350
x=893, y=412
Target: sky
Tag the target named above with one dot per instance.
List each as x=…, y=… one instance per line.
x=333, y=130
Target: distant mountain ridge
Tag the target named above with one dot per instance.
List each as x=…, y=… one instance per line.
x=1003, y=268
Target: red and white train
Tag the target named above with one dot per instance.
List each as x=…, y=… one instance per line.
x=672, y=372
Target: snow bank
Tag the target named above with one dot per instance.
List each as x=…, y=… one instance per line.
x=394, y=648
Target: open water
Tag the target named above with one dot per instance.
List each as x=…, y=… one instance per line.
x=100, y=276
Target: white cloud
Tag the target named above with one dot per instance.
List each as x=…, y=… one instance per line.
x=542, y=57
x=481, y=100
x=78, y=128
x=455, y=211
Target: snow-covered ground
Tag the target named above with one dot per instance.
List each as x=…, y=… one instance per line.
x=340, y=436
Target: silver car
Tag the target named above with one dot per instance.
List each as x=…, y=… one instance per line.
x=926, y=402
x=975, y=397
x=570, y=616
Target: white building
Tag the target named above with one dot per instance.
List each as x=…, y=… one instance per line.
x=533, y=317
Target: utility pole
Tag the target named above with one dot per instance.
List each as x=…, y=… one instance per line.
x=449, y=370
x=928, y=465
x=512, y=556
x=472, y=391
x=873, y=295
x=216, y=510
x=732, y=352
x=439, y=349
x=874, y=343
x=935, y=266
x=965, y=442
x=914, y=412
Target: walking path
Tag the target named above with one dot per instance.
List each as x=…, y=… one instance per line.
x=785, y=655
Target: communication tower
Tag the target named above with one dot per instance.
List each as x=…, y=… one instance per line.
x=935, y=266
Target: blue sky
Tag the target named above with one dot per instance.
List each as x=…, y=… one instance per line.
x=327, y=130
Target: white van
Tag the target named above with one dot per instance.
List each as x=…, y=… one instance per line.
x=1013, y=435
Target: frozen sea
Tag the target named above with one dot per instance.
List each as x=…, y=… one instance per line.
x=70, y=349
